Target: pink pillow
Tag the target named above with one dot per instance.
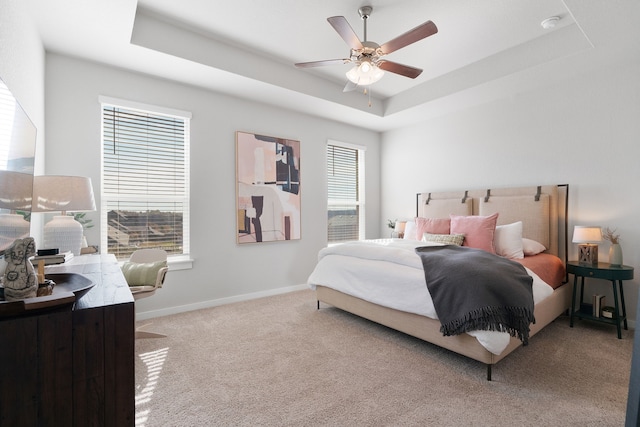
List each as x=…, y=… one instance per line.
x=431, y=226
x=478, y=230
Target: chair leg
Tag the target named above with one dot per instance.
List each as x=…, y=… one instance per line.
x=140, y=334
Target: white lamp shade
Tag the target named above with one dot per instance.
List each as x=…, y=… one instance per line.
x=399, y=227
x=62, y=193
x=16, y=189
x=587, y=234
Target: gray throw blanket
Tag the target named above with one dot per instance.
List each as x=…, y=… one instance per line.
x=475, y=290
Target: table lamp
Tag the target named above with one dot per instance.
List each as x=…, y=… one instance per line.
x=63, y=194
x=399, y=228
x=587, y=238
x=15, y=195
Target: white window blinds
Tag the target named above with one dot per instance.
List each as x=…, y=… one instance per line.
x=145, y=181
x=344, y=185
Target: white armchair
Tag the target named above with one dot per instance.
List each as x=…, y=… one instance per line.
x=145, y=273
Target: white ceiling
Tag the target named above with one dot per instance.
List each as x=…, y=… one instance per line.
x=484, y=49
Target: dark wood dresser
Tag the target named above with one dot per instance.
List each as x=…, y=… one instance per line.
x=72, y=367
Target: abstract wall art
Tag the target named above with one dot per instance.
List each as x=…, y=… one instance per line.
x=267, y=188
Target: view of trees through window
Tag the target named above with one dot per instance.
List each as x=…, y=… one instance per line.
x=145, y=198
x=130, y=230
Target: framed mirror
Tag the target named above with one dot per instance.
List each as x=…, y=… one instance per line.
x=17, y=158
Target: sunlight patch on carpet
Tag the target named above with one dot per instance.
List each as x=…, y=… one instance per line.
x=153, y=361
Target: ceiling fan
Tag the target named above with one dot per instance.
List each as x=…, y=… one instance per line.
x=367, y=55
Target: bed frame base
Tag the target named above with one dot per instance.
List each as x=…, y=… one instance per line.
x=428, y=329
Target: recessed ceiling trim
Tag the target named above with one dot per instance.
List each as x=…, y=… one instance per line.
x=561, y=43
x=162, y=36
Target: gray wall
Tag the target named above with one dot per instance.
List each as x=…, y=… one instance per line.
x=222, y=270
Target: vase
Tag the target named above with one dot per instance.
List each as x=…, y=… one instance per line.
x=615, y=254
x=64, y=233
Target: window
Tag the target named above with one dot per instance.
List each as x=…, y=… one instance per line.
x=145, y=179
x=345, y=185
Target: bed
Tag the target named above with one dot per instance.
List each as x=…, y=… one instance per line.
x=383, y=280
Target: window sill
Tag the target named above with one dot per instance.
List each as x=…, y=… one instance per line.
x=180, y=262
x=177, y=262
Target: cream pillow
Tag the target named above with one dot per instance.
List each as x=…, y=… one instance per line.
x=531, y=247
x=447, y=239
x=508, y=240
x=142, y=274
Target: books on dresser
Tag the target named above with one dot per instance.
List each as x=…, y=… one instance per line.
x=52, y=259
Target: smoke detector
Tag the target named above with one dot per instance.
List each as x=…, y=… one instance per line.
x=550, y=23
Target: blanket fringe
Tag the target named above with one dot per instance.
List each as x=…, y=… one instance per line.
x=514, y=320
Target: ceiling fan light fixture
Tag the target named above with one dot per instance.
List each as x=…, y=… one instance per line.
x=367, y=55
x=365, y=74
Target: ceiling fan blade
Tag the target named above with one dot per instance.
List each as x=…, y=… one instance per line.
x=418, y=33
x=322, y=63
x=403, y=70
x=350, y=86
x=341, y=25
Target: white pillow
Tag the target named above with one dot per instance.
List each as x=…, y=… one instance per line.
x=508, y=240
x=410, y=230
x=531, y=247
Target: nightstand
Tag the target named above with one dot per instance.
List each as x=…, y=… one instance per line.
x=602, y=270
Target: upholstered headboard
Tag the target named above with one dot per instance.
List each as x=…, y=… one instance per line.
x=542, y=210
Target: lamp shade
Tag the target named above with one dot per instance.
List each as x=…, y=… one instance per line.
x=52, y=193
x=16, y=190
x=62, y=194
x=587, y=234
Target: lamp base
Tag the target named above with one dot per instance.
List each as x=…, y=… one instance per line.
x=63, y=232
x=588, y=253
x=12, y=227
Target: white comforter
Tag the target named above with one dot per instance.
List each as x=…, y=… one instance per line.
x=388, y=272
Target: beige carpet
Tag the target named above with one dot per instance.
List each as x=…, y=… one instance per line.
x=279, y=361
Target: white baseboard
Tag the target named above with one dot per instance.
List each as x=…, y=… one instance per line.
x=237, y=298
x=217, y=302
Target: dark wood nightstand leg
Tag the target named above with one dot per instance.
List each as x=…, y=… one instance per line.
x=573, y=300
x=615, y=299
x=624, y=309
